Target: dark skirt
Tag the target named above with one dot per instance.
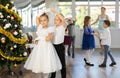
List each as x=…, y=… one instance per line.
x=67, y=40
x=88, y=42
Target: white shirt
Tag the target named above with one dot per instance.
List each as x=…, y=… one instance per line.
x=59, y=35
x=106, y=37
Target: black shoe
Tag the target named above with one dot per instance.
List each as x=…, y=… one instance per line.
x=102, y=65
x=89, y=64
x=112, y=64
x=73, y=56
x=69, y=53
x=85, y=60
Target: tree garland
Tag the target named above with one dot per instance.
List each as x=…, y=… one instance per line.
x=11, y=12
x=12, y=58
x=11, y=37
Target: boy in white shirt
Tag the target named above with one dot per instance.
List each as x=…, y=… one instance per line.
x=106, y=42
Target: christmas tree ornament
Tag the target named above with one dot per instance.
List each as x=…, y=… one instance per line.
x=25, y=54
x=20, y=55
x=15, y=46
x=3, y=40
x=15, y=33
x=12, y=2
x=15, y=65
x=7, y=4
x=4, y=20
x=12, y=18
x=0, y=13
x=2, y=58
x=1, y=16
x=11, y=48
x=20, y=31
x=15, y=25
x=8, y=16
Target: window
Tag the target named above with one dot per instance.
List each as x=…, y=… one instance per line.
x=81, y=12
x=95, y=2
x=66, y=11
x=94, y=13
x=34, y=14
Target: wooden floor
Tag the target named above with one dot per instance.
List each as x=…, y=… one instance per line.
x=76, y=67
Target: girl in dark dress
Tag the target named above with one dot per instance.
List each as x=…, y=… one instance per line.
x=88, y=42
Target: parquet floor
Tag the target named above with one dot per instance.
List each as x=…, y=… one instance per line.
x=76, y=67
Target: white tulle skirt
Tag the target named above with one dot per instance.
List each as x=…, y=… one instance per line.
x=43, y=59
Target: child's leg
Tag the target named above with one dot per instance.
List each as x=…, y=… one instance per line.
x=46, y=75
x=91, y=51
x=66, y=50
x=106, y=50
x=111, y=57
x=87, y=55
x=101, y=48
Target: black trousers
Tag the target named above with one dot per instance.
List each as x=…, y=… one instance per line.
x=72, y=39
x=61, y=54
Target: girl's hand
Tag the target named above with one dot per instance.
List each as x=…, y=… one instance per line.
x=53, y=10
x=36, y=42
x=47, y=38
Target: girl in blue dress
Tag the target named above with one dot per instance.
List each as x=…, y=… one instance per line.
x=88, y=42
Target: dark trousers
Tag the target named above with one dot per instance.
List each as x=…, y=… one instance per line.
x=72, y=39
x=61, y=53
x=106, y=53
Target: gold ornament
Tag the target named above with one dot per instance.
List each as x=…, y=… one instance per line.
x=12, y=2
x=2, y=58
x=15, y=65
x=3, y=41
x=11, y=48
x=7, y=4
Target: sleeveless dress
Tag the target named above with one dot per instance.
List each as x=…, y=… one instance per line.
x=88, y=41
x=43, y=58
x=100, y=24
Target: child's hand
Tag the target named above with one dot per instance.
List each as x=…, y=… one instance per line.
x=53, y=10
x=36, y=42
x=48, y=38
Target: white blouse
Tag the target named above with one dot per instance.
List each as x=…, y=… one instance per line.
x=59, y=35
x=106, y=37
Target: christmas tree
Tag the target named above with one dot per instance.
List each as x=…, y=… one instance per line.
x=12, y=43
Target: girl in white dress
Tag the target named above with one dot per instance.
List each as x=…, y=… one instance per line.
x=43, y=58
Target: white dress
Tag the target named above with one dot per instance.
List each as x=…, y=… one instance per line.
x=43, y=58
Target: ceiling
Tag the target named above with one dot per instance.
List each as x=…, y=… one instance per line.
x=24, y=3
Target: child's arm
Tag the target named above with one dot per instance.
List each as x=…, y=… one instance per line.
x=87, y=32
x=62, y=19
x=49, y=37
x=60, y=16
x=37, y=21
x=95, y=21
